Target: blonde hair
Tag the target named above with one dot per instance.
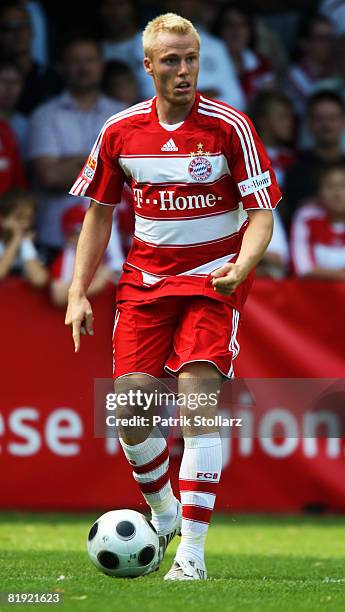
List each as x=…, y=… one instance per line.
x=169, y=22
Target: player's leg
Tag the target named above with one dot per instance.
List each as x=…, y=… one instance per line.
x=147, y=452
x=141, y=342
x=204, y=348
x=199, y=472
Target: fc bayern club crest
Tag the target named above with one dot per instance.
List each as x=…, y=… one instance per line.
x=200, y=168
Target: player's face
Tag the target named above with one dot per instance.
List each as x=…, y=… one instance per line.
x=174, y=66
x=332, y=192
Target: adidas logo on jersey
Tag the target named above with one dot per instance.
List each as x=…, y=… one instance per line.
x=169, y=146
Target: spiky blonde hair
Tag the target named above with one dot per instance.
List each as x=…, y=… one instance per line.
x=169, y=22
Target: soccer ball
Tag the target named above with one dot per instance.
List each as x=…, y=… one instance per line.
x=123, y=543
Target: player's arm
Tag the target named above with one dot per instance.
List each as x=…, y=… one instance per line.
x=259, y=193
x=255, y=241
x=92, y=243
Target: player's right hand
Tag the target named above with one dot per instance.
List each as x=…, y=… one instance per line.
x=80, y=317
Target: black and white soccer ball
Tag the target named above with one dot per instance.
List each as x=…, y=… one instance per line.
x=124, y=544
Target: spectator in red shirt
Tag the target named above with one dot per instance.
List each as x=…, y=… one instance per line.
x=11, y=85
x=318, y=229
x=62, y=269
x=12, y=172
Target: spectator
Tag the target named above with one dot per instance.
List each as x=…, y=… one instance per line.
x=336, y=82
x=271, y=46
x=318, y=230
x=273, y=118
x=237, y=29
x=122, y=41
x=326, y=115
x=120, y=83
x=12, y=172
x=40, y=82
x=316, y=40
x=62, y=132
x=17, y=250
x=119, y=22
x=62, y=269
x=11, y=83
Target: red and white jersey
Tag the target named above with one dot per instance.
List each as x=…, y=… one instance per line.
x=316, y=241
x=191, y=188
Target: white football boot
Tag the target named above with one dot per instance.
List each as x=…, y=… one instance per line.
x=186, y=569
x=166, y=535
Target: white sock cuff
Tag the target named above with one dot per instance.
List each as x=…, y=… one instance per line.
x=155, y=435
x=203, y=441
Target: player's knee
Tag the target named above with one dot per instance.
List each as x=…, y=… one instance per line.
x=134, y=417
x=200, y=370
x=130, y=392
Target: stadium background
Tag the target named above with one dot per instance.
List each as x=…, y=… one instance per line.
x=292, y=327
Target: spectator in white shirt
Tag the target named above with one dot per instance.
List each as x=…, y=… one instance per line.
x=62, y=132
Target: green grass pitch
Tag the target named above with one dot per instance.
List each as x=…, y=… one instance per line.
x=255, y=564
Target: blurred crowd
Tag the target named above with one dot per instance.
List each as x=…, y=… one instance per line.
x=283, y=63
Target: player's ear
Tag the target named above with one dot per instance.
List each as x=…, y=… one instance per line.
x=148, y=66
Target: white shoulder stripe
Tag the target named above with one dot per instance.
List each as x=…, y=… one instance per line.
x=95, y=149
x=249, y=140
x=245, y=124
x=130, y=109
x=240, y=135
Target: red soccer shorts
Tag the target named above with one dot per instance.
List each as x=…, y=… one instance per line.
x=161, y=335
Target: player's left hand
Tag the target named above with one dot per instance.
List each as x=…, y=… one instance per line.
x=227, y=278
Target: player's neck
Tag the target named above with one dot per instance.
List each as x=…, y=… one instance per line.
x=172, y=113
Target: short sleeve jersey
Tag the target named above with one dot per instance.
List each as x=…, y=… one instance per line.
x=191, y=189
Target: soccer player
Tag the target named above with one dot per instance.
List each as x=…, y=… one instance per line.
x=203, y=195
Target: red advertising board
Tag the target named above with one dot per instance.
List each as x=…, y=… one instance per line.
x=51, y=460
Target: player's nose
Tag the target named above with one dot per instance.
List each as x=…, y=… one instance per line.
x=183, y=68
